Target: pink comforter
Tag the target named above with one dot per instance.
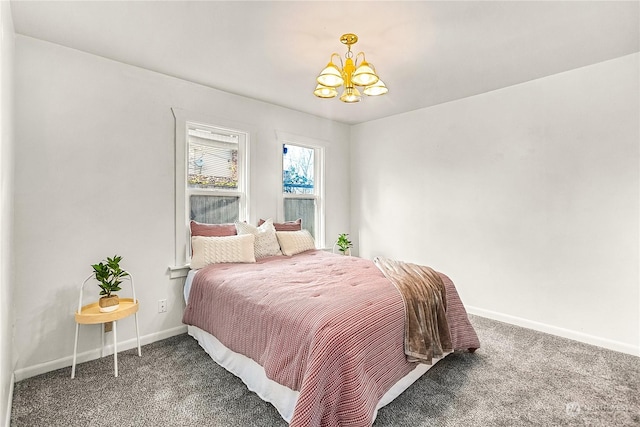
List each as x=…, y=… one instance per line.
x=329, y=326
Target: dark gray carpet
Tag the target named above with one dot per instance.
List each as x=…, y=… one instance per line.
x=519, y=377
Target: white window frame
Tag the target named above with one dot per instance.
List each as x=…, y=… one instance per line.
x=285, y=138
x=184, y=120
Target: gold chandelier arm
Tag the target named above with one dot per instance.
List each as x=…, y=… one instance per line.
x=339, y=58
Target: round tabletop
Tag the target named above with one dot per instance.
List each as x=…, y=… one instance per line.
x=91, y=314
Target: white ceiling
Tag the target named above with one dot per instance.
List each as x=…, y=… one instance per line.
x=427, y=52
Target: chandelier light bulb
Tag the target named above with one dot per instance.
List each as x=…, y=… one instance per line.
x=330, y=76
x=364, y=75
x=378, y=88
x=350, y=95
x=325, y=92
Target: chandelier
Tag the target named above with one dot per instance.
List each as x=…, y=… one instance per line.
x=351, y=73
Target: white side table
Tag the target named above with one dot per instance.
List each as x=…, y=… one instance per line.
x=90, y=315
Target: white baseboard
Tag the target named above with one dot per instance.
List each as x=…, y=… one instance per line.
x=41, y=368
x=554, y=330
x=7, y=421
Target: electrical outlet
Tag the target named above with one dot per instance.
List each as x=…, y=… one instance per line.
x=162, y=306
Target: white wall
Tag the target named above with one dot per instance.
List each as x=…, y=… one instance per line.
x=6, y=209
x=94, y=177
x=526, y=196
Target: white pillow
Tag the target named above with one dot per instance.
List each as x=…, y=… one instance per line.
x=294, y=242
x=266, y=243
x=210, y=250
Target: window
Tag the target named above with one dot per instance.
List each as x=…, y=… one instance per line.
x=211, y=176
x=214, y=185
x=301, y=187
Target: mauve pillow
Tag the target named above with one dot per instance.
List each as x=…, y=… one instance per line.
x=212, y=230
x=286, y=226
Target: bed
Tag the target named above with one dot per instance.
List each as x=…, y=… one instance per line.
x=318, y=335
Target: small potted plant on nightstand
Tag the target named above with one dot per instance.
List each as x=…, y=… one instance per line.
x=344, y=244
x=109, y=276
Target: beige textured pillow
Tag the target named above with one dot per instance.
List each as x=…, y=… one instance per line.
x=266, y=243
x=213, y=250
x=294, y=242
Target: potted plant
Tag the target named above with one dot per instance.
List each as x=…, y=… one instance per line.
x=343, y=243
x=109, y=276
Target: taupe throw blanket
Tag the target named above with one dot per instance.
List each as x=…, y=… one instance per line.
x=426, y=331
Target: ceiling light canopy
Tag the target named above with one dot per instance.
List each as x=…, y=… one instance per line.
x=351, y=73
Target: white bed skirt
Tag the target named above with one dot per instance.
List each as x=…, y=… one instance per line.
x=282, y=398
